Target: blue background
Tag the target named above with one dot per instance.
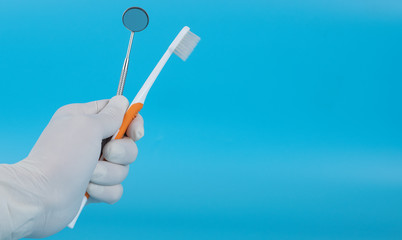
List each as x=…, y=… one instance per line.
x=285, y=123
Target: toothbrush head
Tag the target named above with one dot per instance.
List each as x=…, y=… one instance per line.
x=185, y=43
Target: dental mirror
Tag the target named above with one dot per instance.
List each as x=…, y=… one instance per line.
x=135, y=19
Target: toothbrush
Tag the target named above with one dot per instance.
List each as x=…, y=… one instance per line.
x=182, y=46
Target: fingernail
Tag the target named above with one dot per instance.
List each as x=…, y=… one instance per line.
x=114, y=151
x=100, y=171
x=139, y=133
x=122, y=100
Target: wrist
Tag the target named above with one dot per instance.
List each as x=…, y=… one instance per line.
x=21, y=208
x=5, y=223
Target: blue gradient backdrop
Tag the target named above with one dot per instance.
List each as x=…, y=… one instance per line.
x=285, y=123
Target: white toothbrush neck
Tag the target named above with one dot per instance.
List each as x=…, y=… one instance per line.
x=142, y=94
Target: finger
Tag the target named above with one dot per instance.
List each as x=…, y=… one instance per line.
x=83, y=108
x=109, y=174
x=111, y=116
x=121, y=151
x=107, y=194
x=136, y=129
x=92, y=200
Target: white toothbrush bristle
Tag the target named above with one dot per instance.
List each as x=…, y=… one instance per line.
x=187, y=45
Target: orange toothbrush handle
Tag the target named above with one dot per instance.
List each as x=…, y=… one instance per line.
x=131, y=113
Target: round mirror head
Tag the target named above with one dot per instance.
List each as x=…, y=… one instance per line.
x=135, y=19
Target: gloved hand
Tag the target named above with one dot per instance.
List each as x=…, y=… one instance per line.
x=40, y=195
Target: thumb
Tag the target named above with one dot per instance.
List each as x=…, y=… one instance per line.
x=82, y=108
x=111, y=116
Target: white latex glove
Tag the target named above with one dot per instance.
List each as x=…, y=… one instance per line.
x=40, y=195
